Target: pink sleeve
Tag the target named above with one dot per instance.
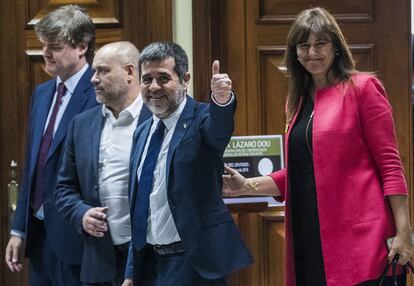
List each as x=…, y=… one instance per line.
x=378, y=128
x=279, y=177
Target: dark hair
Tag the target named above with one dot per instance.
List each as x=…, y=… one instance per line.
x=159, y=51
x=323, y=24
x=69, y=24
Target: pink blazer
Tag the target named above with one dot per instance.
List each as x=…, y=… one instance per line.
x=356, y=165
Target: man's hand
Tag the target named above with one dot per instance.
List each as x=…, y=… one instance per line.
x=14, y=254
x=128, y=282
x=220, y=84
x=94, y=223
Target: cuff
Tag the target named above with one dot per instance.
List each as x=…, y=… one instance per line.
x=17, y=233
x=225, y=104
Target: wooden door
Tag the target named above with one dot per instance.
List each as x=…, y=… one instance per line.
x=138, y=21
x=248, y=36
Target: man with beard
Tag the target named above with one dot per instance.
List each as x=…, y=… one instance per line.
x=67, y=35
x=182, y=232
x=92, y=191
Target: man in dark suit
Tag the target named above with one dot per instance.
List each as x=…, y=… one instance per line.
x=182, y=232
x=92, y=191
x=53, y=247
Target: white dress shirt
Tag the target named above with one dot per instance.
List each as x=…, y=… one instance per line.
x=70, y=84
x=161, y=228
x=114, y=156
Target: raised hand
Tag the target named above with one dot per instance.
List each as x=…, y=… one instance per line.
x=94, y=223
x=220, y=84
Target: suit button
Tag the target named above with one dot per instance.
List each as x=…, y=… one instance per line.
x=95, y=187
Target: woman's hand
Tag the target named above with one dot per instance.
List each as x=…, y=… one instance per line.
x=402, y=244
x=234, y=184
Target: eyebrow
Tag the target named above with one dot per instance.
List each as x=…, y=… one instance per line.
x=100, y=66
x=158, y=74
x=164, y=73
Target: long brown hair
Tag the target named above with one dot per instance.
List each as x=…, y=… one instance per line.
x=321, y=23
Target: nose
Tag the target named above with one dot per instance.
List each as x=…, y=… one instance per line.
x=46, y=51
x=312, y=50
x=95, y=80
x=154, y=85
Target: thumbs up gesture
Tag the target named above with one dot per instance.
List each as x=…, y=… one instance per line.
x=220, y=84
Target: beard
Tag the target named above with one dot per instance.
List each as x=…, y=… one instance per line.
x=113, y=94
x=166, y=105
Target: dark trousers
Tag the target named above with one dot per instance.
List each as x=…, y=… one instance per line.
x=151, y=269
x=121, y=255
x=45, y=268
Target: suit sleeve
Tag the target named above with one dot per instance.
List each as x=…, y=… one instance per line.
x=69, y=202
x=218, y=125
x=19, y=220
x=379, y=131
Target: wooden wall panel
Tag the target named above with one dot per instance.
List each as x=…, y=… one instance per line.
x=364, y=56
x=10, y=105
x=262, y=229
x=38, y=71
x=206, y=16
x=272, y=89
x=273, y=237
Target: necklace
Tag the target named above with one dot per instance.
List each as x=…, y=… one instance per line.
x=307, y=131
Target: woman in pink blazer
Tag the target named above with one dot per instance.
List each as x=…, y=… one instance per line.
x=343, y=184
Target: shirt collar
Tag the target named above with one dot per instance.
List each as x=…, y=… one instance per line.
x=72, y=82
x=171, y=120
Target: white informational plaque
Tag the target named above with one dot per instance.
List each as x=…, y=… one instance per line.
x=254, y=156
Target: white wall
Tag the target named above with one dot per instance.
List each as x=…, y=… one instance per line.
x=412, y=15
x=183, y=31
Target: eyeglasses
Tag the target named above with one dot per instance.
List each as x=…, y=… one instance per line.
x=318, y=45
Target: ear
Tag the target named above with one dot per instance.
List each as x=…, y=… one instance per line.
x=130, y=69
x=83, y=48
x=186, y=80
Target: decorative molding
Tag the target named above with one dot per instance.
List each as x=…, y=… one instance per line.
x=264, y=51
x=273, y=236
x=104, y=13
x=271, y=56
x=364, y=56
x=284, y=12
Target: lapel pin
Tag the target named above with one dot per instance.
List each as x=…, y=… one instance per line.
x=185, y=125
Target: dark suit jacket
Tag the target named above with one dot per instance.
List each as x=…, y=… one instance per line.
x=62, y=238
x=78, y=191
x=194, y=175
